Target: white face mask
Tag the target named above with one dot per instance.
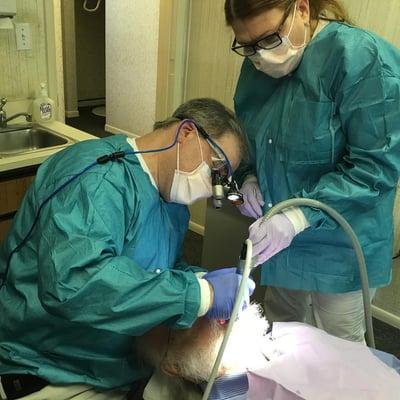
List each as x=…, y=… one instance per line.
x=283, y=59
x=187, y=187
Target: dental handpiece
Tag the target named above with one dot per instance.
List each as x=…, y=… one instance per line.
x=242, y=259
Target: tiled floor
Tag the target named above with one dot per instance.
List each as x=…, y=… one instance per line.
x=88, y=122
x=387, y=338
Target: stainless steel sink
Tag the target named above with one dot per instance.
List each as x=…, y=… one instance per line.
x=13, y=142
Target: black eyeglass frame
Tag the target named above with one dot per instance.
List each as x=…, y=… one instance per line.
x=219, y=177
x=254, y=46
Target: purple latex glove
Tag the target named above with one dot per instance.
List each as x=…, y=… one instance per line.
x=253, y=199
x=225, y=283
x=271, y=236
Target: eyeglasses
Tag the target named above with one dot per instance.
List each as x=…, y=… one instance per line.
x=268, y=42
x=221, y=171
x=220, y=161
x=223, y=184
x=221, y=166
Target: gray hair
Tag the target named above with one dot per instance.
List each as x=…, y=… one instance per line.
x=216, y=119
x=196, y=361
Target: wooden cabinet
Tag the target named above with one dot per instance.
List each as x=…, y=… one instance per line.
x=4, y=227
x=13, y=185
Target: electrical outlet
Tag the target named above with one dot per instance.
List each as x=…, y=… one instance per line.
x=23, y=35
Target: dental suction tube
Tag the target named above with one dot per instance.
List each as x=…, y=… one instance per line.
x=300, y=202
x=244, y=267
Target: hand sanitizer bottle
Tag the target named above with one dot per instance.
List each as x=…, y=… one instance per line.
x=43, y=106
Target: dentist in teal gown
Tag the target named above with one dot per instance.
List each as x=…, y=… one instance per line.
x=319, y=100
x=103, y=263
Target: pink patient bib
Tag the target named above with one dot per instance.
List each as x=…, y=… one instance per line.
x=307, y=363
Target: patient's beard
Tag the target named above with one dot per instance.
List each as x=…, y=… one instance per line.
x=195, y=365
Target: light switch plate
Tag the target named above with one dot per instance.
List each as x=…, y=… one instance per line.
x=23, y=36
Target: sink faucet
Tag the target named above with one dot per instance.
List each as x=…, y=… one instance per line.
x=3, y=116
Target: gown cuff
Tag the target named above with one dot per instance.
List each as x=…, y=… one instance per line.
x=205, y=297
x=296, y=216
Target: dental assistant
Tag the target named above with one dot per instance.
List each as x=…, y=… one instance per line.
x=103, y=263
x=319, y=100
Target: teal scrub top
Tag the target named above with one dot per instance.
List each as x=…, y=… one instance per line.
x=329, y=131
x=101, y=267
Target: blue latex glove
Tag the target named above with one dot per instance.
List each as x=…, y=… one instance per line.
x=270, y=237
x=253, y=199
x=225, y=283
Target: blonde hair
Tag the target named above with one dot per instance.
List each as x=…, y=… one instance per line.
x=241, y=9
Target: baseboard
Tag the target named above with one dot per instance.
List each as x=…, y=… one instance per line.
x=113, y=129
x=72, y=113
x=386, y=316
x=196, y=228
x=93, y=102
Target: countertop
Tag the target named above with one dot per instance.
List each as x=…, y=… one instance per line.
x=38, y=156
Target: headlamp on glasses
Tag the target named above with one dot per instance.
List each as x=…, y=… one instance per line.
x=223, y=184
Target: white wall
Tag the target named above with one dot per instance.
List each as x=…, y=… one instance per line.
x=22, y=71
x=381, y=17
x=213, y=69
x=131, y=65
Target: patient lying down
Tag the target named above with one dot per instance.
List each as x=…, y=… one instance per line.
x=291, y=361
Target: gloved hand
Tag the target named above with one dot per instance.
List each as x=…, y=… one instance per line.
x=271, y=236
x=253, y=199
x=225, y=283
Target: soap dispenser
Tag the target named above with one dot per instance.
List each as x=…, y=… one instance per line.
x=43, y=106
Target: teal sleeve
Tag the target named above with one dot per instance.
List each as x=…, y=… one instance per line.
x=84, y=278
x=369, y=108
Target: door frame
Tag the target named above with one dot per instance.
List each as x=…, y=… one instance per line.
x=172, y=55
x=54, y=55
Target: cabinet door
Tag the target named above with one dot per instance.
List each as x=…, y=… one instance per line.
x=4, y=227
x=12, y=192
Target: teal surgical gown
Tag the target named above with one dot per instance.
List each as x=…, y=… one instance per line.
x=102, y=266
x=330, y=131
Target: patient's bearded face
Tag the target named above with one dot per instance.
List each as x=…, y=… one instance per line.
x=191, y=353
